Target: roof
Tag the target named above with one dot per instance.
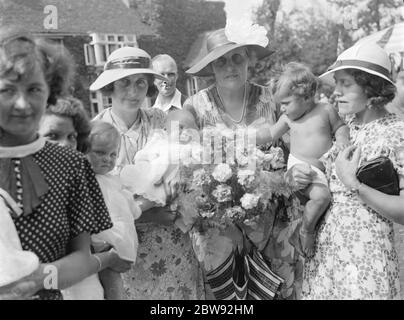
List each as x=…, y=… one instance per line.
x=198, y=50
x=74, y=16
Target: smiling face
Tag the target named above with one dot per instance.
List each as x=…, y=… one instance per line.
x=58, y=129
x=231, y=69
x=351, y=97
x=130, y=92
x=22, y=104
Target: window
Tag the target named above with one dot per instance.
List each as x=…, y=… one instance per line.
x=95, y=108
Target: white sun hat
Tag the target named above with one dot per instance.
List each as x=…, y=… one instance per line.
x=368, y=57
x=124, y=62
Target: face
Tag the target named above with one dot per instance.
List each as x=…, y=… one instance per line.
x=168, y=69
x=231, y=69
x=294, y=107
x=58, y=129
x=22, y=104
x=351, y=98
x=103, y=155
x=184, y=125
x=130, y=92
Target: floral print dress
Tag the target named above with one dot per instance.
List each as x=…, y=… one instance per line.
x=208, y=110
x=166, y=267
x=355, y=256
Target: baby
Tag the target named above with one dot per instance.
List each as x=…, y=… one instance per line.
x=312, y=127
x=15, y=263
x=157, y=164
x=104, y=143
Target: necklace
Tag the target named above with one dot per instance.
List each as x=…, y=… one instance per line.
x=244, y=105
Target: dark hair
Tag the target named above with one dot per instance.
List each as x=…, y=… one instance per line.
x=298, y=80
x=378, y=90
x=19, y=53
x=73, y=108
x=151, y=90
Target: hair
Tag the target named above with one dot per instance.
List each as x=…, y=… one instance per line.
x=378, y=90
x=151, y=90
x=104, y=131
x=297, y=80
x=73, y=108
x=20, y=52
x=162, y=57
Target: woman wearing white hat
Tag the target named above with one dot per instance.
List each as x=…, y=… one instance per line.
x=237, y=103
x=354, y=255
x=166, y=267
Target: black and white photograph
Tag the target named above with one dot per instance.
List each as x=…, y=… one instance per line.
x=201, y=150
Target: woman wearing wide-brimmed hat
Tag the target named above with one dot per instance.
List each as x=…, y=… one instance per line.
x=166, y=267
x=354, y=255
x=236, y=102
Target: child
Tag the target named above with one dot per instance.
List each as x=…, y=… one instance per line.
x=15, y=263
x=312, y=127
x=104, y=143
x=156, y=165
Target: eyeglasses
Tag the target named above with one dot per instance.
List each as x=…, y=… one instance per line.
x=236, y=58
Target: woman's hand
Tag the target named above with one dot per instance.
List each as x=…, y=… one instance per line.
x=346, y=165
x=118, y=264
x=300, y=175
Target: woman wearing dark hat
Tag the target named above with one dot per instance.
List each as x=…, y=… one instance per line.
x=354, y=255
x=235, y=102
x=166, y=267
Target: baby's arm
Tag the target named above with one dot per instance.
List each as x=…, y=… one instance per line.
x=339, y=129
x=144, y=204
x=267, y=133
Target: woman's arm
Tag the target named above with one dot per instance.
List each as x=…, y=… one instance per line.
x=389, y=206
x=67, y=271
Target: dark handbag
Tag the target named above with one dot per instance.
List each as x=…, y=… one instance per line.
x=379, y=174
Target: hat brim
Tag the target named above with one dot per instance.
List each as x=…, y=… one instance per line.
x=109, y=76
x=201, y=69
x=329, y=79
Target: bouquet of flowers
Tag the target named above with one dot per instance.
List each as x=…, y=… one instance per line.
x=234, y=184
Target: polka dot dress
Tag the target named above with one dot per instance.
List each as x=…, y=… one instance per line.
x=72, y=205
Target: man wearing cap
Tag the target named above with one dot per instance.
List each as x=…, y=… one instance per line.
x=169, y=97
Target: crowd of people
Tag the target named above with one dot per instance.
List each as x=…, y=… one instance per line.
x=90, y=198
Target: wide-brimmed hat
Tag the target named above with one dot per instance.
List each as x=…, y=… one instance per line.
x=368, y=57
x=217, y=45
x=124, y=62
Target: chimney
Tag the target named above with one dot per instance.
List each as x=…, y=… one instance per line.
x=131, y=4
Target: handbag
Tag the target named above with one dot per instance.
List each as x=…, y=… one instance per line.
x=229, y=281
x=379, y=174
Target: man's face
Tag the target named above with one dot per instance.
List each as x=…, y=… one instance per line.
x=167, y=68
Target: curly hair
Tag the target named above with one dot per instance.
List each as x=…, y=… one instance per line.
x=73, y=108
x=297, y=80
x=20, y=52
x=151, y=90
x=378, y=90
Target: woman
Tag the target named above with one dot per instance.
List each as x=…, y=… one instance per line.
x=166, y=267
x=54, y=186
x=66, y=123
x=355, y=256
x=235, y=102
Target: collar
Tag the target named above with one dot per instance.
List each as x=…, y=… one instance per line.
x=175, y=102
x=22, y=151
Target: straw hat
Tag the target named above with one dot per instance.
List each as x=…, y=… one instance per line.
x=124, y=62
x=368, y=57
x=217, y=45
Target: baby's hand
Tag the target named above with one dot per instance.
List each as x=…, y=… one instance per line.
x=342, y=145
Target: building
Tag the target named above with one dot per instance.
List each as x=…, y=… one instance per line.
x=89, y=29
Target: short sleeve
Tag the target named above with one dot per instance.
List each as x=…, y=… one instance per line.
x=87, y=208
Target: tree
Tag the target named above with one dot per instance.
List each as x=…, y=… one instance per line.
x=177, y=23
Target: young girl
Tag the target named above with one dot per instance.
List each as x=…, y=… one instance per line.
x=312, y=128
x=66, y=123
